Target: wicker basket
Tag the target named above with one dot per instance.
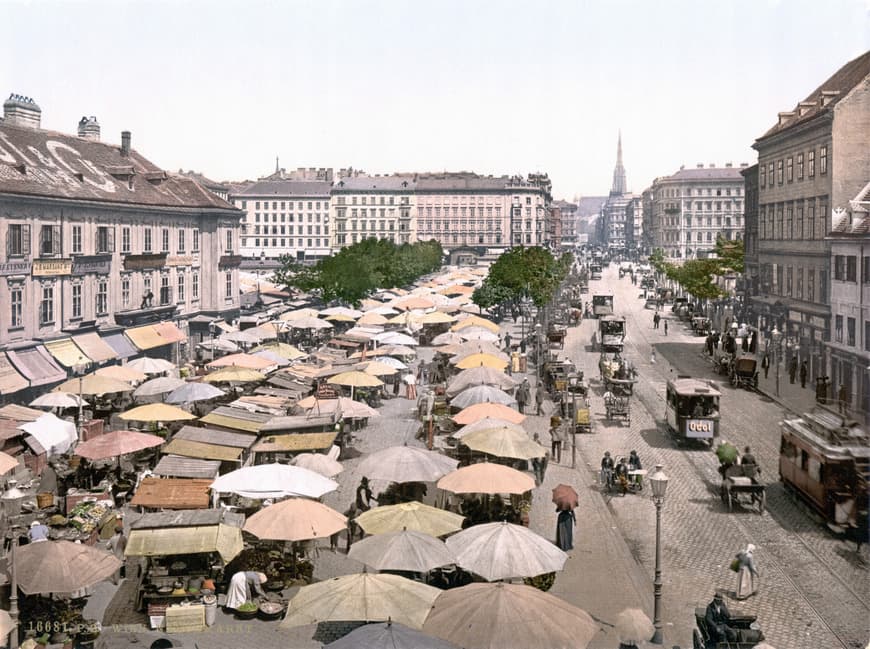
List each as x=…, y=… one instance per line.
x=45, y=500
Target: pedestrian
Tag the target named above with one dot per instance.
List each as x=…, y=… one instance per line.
x=565, y=523
x=539, y=399
x=652, y=356
x=522, y=395
x=747, y=573
x=396, y=381
x=411, y=386
x=841, y=398
x=803, y=374
x=666, y=327
x=352, y=527
x=656, y=320
x=507, y=342
x=244, y=585
x=765, y=364
x=744, y=343
x=538, y=463
x=792, y=369
x=117, y=545
x=37, y=532
x=364, y=496
x=556, y=441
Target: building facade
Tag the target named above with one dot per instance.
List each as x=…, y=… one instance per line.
x=373, y=207
x=634, y=226
x=568, y=224
x=811, y=163
x=749, y=284
x=97, y=236
x=613, y=225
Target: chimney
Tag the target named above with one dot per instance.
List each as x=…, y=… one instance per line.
x=700, y=165
x=744, y=164
x=89, y=128
x=21, y=111
x=728, y=165
x=125, y=143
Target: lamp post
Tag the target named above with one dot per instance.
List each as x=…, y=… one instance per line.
x=80, y=367
x=260, y=272
x=776, y=338
x=538, y=353
x=573, y=382
x=659, y=483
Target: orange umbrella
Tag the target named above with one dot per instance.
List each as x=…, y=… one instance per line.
x=564, y=497
x=486, y=478
x=475, y=321
x=117, y=442
x=120, y=373
x=495, y=410
x=295, y=519
x=481, y=360
x=414, y=303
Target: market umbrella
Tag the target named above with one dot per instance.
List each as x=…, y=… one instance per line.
x=399, y=350
x=502, y=615
x=275, y=359
x=61, y=566
x=284, y=350
x=349, y=408
x=160, y=385
x=478, y=333
x=487, y=478
x=241, y=337
x=372, y=318
x=395, y=363
x=308, y=323
x=405, y=550
x=481, y=360
x=480, y=376
x=482, y=394
x=234, y=375
x=504, y=441
x=502, y=550
x=355, y=379
x=727, y=453
x=218, y=345
x=7, y=624
x=479, y=347
x=298, y=313
x=58, y=400
x=54, y=434
x=484, y=423
x=448, y=338
x=156, y=412
x=409, y=516
x=91, y=384
x=475, y=321
x=388, y=635
x=478, y=411
x=376, y=368
x=417, y=302
x=115, y=443
x=362, y=597
x=564, y=496
x=395, y=338
x=295, y=519
x=436, y=317
x=248, y=361
x=406, y=464
x=7, y=463
x=151, y=365
x=353, y=314
x=194, y=391
x=120, y=373
x=319, y=463
x=274, y=481
x=633, y=626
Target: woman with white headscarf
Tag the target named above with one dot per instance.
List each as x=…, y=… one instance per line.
x=747, y=573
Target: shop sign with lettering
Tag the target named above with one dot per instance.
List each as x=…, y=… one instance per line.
x=51, y=267
x=144, y=262
x=21, y=267
x=97, y=264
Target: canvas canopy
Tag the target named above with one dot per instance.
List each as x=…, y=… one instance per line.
x=226, y=540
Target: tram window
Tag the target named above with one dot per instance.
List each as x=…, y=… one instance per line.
x=805, y=458
x=788, y=450
x=814, y=469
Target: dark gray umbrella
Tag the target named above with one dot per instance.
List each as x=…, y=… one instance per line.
x=388, y=635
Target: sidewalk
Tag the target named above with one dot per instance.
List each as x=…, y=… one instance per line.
x=792, y=396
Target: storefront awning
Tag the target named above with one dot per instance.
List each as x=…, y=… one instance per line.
x=120, y=344
x=36, y=365
x=223, y=539
x=176, y=466
x=169, y=332
x=10, y=379
x=145, y=337
x=295, y=442
x=67, y=353
x=172, y=493
x=202, y=450
x=95, y=347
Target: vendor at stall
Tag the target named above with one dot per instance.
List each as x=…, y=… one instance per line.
x=243, y=585
x=37, y=532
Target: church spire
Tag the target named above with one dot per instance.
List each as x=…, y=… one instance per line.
x=619, y=172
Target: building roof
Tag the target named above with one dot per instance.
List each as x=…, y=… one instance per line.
x=278, y=188
x=707, y=173
x=173, y=493
x=590, y=205
x=205, y=181
x=385, y=183
x=48, y=163
x=833, y=89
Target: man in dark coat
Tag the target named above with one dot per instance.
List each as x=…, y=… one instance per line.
x=792, y=369
x=522, y=396
x=803, y=374
x=765, y=364
x=717, y=618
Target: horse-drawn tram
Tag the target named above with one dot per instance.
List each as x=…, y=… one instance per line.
x=825, y=458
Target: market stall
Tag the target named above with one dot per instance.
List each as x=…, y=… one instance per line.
x=277, y=448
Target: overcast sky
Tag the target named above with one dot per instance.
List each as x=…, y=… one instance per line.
x=384, y=86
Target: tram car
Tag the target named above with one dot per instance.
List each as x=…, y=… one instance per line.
x=825, y=458
x=692, y=409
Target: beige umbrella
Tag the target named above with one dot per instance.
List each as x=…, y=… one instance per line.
x=409, y=516
x=284, y=350
x=58, y=400
x=406, y=464
x=372, y=318
x=480, y=376
x=479, y=347
x=481, y=360
x=7, y=463
x=248, y=361
x=156, y=412
x=504, y=441
x=355, y=379
x=633, y=627
x=349, y=408
x=475, y=321
x=308, y=323
x=91, y=384
x=487, y=422
x=376, y=368
x=151, y=365
x=319, y=463
x=405, y=550
x=160, y=385
x=120, y=373
x=61, y=566
x=298, y=313
x=502, y=615
x=411, y=303
x=448, y=338
x=478, y=411
x=503, y=551
x=436, y=317
x=362, y=597
x=295, y=519
x=398, y=350
x=6, y=624
x=115, y=443
x=234, y=375
x=487, y=478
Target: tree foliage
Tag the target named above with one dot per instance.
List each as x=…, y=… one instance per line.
x=358, y=270
x=698, y=276
x=522, y=272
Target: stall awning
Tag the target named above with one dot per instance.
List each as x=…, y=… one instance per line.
x=20, y=413
x=95, y=347
x=295, y=442
x=66, y=352
x=176, y=466
x=37, y=365
x=202, y=450
x=236, y=419
x=169, y=332
x=172, y=493
x=120, y=344
x=223, y=539
x=10, y=379
x=215, y=436
x=145, y=337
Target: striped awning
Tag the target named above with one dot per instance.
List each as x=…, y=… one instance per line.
x=10, y=379
x=67, y=353
x=37, y=365
x=146, y=337
x=169, y=332
x=95, y=347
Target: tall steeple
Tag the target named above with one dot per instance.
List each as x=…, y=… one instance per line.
x=619, y=172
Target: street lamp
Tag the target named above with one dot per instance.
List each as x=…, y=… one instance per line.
x=574, y=385
x=79, y=369
x=659, y=483
x=776, y=337
x=538, y=352
x=260, y=272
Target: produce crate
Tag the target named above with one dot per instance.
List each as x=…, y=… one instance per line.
x=181, y=619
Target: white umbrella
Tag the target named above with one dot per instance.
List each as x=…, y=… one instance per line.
x=58, y=400
x=477, y=333
x=396, y=338
x=392, y=362
x=219, y=345
x=482, y=394
x=194, y=391
x=319, y=463
x=241, y=337
x=405, y=550
x=54, y=434
x=487, y=422
x=274, y=481
x=151, y=365
x=406, y=464
x=160, y=385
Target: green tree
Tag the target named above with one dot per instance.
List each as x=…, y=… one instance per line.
x=522, y=272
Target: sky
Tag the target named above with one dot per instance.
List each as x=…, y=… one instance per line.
x=494, y=87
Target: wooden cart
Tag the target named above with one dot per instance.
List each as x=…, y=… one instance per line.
x=740, y=485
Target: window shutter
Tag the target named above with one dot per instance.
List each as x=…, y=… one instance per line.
x=8, y=242
x=25, y=240
x=110, y=237
x=55, y=239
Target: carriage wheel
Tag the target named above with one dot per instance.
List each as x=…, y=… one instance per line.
x=697, y=640
x=734, y=380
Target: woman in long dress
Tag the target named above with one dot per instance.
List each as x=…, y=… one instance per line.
x=747, y=573
x=565, y=529
x=241, y=586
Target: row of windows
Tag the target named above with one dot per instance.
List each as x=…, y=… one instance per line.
x=49, y=243
x=372, y=213
x=372, y=200
x=793, y=220
x=312, y=218
x=701, y=191
x=674, y=221
x=287, y=229
x=846, y=269
x=343, y=239
x=792, y=168
x=283, y=243
x=371, y=226
x=796, y=282
x=300, y=205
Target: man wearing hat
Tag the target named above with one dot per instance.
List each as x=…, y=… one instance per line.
x=37, y=532
x=717, y=618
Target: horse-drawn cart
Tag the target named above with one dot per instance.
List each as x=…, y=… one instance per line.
x=740, y=485
x=556, y=337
